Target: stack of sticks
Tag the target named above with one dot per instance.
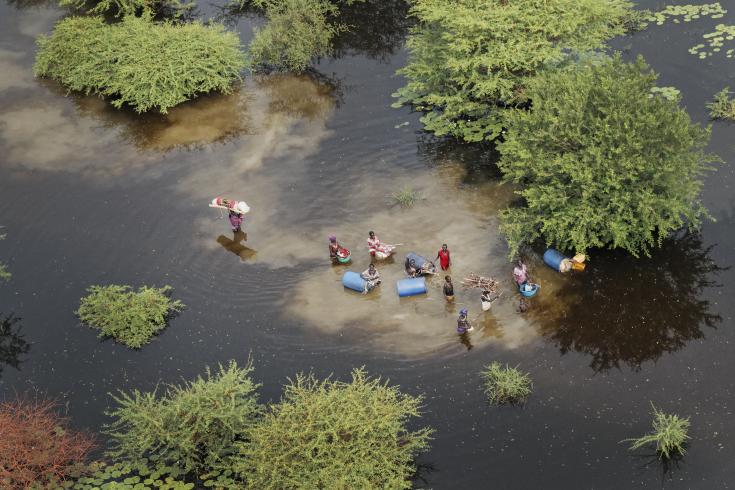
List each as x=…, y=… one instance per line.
x=480, y=282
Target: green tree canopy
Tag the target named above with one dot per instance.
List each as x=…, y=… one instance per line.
x=335, y=435
x=469, y=59
x=602, y=161
x=138, y=62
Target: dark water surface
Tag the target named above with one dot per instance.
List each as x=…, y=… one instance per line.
x=93, y=195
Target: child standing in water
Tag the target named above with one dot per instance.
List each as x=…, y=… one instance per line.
x=448, y=288
x=463, y=323
x=444, y=259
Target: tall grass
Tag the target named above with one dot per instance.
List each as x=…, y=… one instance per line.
x=406, y=197
x=506, y=384
x=669, y=434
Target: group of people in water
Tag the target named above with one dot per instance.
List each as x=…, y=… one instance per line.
x=377, y=249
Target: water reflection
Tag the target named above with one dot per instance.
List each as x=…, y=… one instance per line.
x=629, y=311
x=12, y=343
x=236, y=246
x=376, y=28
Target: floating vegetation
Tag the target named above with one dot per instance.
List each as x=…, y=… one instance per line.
x=687, y=13
x=669, y=93
x=722, y=107
x=669, y=434
x=506, y=384
x=714, y=42
x=406, y=197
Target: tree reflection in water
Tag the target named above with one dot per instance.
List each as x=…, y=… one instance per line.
x=12, y=343
x=630, y=311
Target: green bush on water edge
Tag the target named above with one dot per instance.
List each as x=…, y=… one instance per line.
x=130, y=317
x=670, y=433
x=130, y=7
x=138, y=62
x=506, y=384
x=722, y=107
x=601, y=161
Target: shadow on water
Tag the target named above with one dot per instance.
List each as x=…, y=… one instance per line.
x=624, y=310
x=376, y=28
x=12, y=343
x=236, y=246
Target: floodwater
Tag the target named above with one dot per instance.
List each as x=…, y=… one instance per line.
x=95, y=195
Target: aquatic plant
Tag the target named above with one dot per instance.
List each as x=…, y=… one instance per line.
x=715, y=42
x=669, y=434
x=130, y=7
x=126, y=476
x=193, y=427
x=505, y=384
x=38, y=449
x=722, y=107
x=132, y=318
x=138, y=62
x=687, y=13
x=406, y=197
x=470, y=60
x=297, y=31
x=670, y=93
x=332, y=434
x=601, y=163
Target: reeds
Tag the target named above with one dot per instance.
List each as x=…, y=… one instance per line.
x=506, y=384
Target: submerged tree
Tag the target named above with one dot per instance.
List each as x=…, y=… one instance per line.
x=601, y=161
x=470, y=59
x=331, y=434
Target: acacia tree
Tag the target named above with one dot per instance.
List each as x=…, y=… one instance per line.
x=602, y=161
x=470, y=59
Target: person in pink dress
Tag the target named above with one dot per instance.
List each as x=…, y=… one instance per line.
x=520, y=273
x=445, y=260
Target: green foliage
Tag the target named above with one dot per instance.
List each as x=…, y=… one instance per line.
x=470, y=59
x=714, y=42
x=670, y=93
x=296, y=32
x=722, y=107
x=193, y=426
x=126, y=476
x=506, y=384
x=129, y=7
x=406, y=197
x=138, y=62
x=129, y=317
x=333, y=435
x=601, y=162
x=669, y=434
x=687, y=13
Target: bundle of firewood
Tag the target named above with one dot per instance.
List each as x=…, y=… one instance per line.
x=480, y=282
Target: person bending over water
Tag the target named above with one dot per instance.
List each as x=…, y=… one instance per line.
x=520, y=273
x=411, y=269
x=448, y=288
x=463, y=323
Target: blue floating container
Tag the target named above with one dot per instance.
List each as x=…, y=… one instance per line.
x=411, y=287
x=528, y=290
x=352, y=280
x=557, y=261
x=416, y=257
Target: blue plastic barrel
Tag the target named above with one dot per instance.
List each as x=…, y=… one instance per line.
x=352, y=280
x=554, y=259
x=411, y=287
x=416, y=257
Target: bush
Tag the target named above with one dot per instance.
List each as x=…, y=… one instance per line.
x=37, y=447
x=602, y=161
x=470, y=59
x=331, y=434
x=130, y=7
x=296, y=32
x=138, y=62
x=722, y=107
x=129, y=317
x=669, y=434
x=506, y=384
x=193, y=426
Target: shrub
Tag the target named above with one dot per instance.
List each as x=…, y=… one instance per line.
x=37, y=447
x=506, y=384
x=331, y=434
x=722, y=107
x=470, y=59
x=602, y=161
x=296, y=32
x=669, y=434
x=193, y=426
x=406, y=197
x=138, y=62
x=130, y=7
x=129, y=317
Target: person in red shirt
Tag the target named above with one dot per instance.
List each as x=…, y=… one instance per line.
x=444, y=259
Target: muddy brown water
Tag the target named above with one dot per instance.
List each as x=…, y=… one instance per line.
x=94, y=195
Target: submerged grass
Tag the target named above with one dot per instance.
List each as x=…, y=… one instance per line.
x=406, y=197
x=506, y=384
x=722, y=107
x=669, y=434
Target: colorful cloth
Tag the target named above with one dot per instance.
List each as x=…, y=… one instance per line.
x=373, y=245
x=444, y=259
x=236, y=221
x=520, y=274
x=463, y=325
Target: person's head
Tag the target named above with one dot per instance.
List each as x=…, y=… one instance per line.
x=332, y=239
x=371, y=267
x=520, y=263
x=444, y=247
x=448, y=279
x=412, y=263
x=463, y=312
x=485, y=292
x=372, y=234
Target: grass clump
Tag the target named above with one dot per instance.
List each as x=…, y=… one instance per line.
x=669, y=434
x=722, y=107
x=138, y=62
x=332, y=434
x=506, y=384
x=406, y=197
x=127, y=316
